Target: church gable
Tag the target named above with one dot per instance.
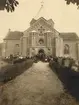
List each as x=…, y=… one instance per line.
x=43, y=20
x=37, y=24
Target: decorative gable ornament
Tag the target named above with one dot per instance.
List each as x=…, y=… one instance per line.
x=33, y=31
x=48, y=31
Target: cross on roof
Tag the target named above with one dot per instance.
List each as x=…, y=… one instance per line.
x=42, y=3
x=41, y=8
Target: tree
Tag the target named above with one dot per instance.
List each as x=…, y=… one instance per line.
x=72, y=1
x=9, y=5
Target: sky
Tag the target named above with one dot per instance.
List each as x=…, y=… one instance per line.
x=65, y=17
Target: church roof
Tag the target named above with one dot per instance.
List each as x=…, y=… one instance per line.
x=69, y=36
x=50, y=21
x=13, y=35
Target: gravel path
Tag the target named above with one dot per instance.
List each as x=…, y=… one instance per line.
x=36, y=86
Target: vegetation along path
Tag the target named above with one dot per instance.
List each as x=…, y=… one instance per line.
x=36, y=86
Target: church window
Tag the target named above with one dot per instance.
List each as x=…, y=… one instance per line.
x=31, y=33
x=16, y=49
x=66, y=49
x=41, y=41
x=33, y=49
x=45, y=33
x=17, y=45
x=49, y=49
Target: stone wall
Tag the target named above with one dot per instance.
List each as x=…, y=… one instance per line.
x=9, y=47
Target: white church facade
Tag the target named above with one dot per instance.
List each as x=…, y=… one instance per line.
x=41, y=36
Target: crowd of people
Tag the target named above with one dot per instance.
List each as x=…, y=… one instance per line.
x=65, y=62
x=67, y=70
x=55, y=61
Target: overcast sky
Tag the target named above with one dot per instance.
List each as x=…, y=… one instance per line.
x=66, y=18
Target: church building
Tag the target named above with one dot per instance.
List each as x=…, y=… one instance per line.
x=41, y=36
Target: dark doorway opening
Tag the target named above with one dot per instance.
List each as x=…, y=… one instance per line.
x=41, y=54
x=41, y=51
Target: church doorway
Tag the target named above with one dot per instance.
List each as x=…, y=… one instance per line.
x=41, y=51
x=41, y=54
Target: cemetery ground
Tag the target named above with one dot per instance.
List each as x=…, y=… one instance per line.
x=37, y=85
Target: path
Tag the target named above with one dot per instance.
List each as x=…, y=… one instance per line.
x=36, y=86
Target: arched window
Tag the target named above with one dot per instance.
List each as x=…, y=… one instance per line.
x=17, y=45
x=16, y=49
x=41, y=41
x=33, y=51
x=66, y=49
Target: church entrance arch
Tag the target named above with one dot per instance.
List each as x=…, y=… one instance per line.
x=41, y=51
x=41, y=54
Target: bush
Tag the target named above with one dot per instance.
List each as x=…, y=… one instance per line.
x=68, y=76
x=12, y=70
